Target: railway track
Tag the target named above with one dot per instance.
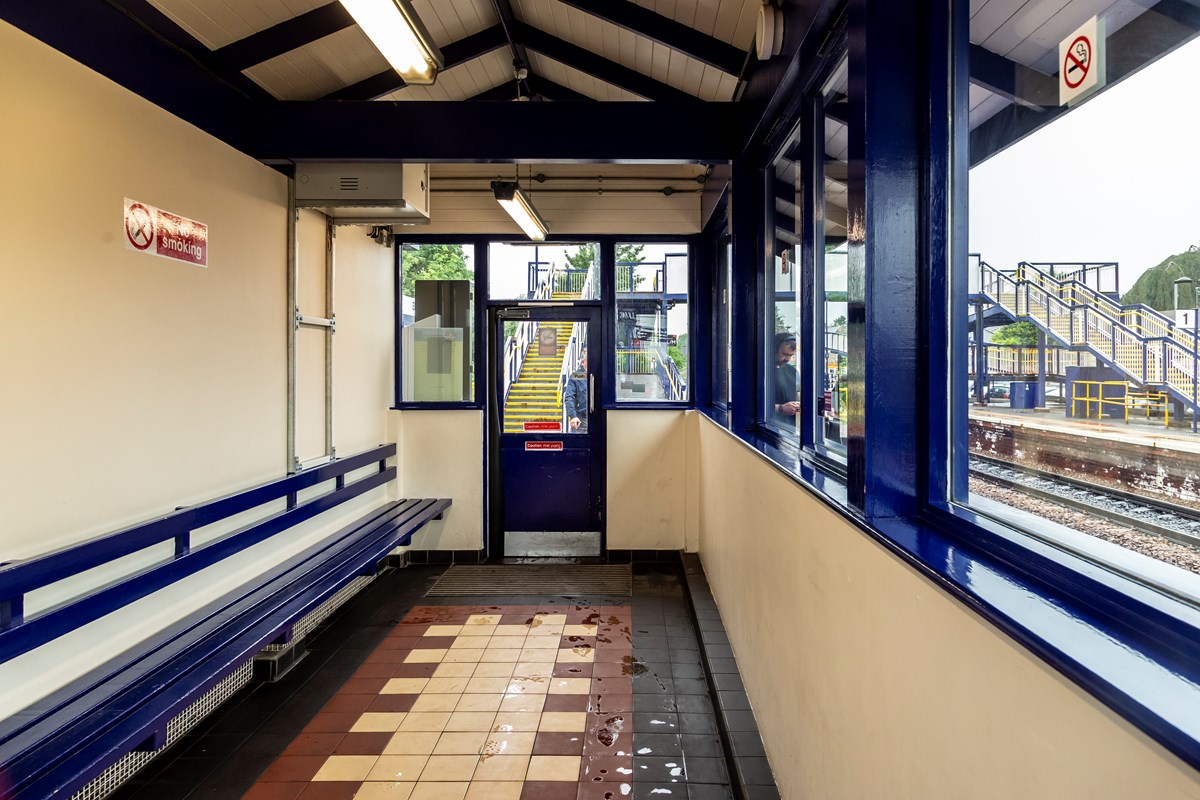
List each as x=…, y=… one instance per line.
x=1168, y=520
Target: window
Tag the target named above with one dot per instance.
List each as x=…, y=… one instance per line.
x=437, y=343
x=1078, y=329
x=720, y=346
x=652, y=322
x=543, y=271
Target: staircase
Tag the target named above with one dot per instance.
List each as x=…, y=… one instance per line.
x=534, y=396
x=1138, y=341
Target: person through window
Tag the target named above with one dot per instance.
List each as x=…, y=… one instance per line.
x=575, y=397
x=787, y=380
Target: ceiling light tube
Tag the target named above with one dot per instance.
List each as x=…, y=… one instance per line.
x=519, y=207
x=397, y=32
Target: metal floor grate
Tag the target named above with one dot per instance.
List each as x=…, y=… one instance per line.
x=535, y=579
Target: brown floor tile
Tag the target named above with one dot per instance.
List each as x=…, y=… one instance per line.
x=314, y=744
x=573, y=670
x=388, y=657
x=610, y=654
x=401, y=642
x=610, y=703
x=415, y=671
x=275, y=791
x=612, y=686
x=605, y=791
x=558, y=744
x=577, y=641
x=293, y=768
x=363, y=744
x=405, y=629
x=608, y=734
x=376, y=670
x=427, y=642
x=392, y=703
x=331, y=790
x=332, y=722
x=610, y=669
x=566, y=702
x=549, y=790
x=607, y=769
x=363, y=686
x=347, y=703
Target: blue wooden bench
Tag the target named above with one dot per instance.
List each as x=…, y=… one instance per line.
x=126, y=706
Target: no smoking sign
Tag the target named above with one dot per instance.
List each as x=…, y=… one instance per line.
x=1081, y=62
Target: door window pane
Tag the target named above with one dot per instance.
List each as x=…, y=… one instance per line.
x=437, y=349
x=543, y=271
x=546, y=384
x=652, y=322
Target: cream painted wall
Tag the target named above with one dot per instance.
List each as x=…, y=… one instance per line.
x=647, y=479
x=868, y=681
x=134, y=384
x=441, y=455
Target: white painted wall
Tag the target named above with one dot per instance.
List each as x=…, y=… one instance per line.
x=441, y=455
x=647, y=479
x=869, y=681
x=133, y=384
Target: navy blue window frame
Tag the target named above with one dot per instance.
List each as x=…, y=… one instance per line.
x=1132, y=647
x=607, y=244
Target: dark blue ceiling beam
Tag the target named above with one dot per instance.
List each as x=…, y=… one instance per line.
x=508, y=21
x=667, y=32
x=689, y=132
x=1011, y=80
x=598, y=67
x=284, y=37
x=1152, y=34
x=453, y=54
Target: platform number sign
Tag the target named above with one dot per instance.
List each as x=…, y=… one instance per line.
x=1081, y=62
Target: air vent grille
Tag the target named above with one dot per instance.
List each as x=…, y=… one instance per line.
x=349, y=183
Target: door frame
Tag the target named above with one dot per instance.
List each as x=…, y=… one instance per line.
x=592, y=312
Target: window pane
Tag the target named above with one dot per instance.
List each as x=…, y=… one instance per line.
x=545, y=373
x=437, y=351
x=652, y=322
x=724, y=257
x=1078, y=304
x=782, y=396
x=543, y=271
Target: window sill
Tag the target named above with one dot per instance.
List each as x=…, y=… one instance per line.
x=436, y=406
x=1132, y=647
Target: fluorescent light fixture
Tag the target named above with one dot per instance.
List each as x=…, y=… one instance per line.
x=518, y=206
x=396, y=31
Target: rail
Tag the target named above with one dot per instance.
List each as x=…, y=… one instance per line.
x=674, y=383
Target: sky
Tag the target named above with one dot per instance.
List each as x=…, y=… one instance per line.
x=1115, y=179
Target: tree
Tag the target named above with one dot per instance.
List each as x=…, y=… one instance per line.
x=1018, y=334
x=1156, y=286
x=432, y=262
x=840, y=322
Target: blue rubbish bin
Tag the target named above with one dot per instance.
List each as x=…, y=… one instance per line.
x=1022, y=394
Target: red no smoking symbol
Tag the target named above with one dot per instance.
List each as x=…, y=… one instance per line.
x=1078, y=62
x=139, y=226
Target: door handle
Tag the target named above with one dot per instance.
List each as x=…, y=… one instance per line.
x=591, y=393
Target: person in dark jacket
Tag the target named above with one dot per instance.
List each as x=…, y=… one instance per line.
x=575, y=397
x=787, y=380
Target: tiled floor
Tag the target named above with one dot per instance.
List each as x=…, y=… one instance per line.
x=413, y=698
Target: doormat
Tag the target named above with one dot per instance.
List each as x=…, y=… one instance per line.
x=535, y=580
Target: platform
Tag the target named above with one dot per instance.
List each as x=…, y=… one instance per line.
x=1147, y=433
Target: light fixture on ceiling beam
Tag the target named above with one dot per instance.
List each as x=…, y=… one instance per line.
x=519, y=207
x=399, y=35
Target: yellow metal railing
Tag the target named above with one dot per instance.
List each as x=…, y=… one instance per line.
x=1149, y=402
x=1098, y=400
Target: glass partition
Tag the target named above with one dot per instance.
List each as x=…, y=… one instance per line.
x=543, y=271
x=437, y=351
x=652, y=322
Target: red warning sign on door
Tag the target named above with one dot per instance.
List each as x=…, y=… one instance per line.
x=552, y=427
x=543, y=446
x=149, y=229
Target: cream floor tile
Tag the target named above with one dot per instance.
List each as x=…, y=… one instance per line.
x=478, y=685
x=345, y=768
x=449, y=768
x=528, y=685
x=552, y=633
x=579, y=630
x=508, y=743
x=400, y=769
x=479, y=702
x=469, y=656
x=553, y=768
x=378, y=722
x=516, y=722
x=499, y=669
x=564, y=721
x=477, y=631
x=404, y=686
x=577, y=655
x=495, y=790
x=502, y=768
x=456, y=669
x=435, y=702
x=443, y=630
x=446, y=686
x=522, y=703
x=542, y=643
x=551, y=619
x=533, y=669
x=389, y=790
x=542, y=657
x=470, y=640
x=410, y=743
x=427, y=721
x=461, y=743
x=470, y=721
x=427, y=655
x=570, y=685
x=499, y=654
x=434, y=790
x=511, y=630
x=483, y=619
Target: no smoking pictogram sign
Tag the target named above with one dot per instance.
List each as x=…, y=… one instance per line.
x=139, y=226
x=1078, y=62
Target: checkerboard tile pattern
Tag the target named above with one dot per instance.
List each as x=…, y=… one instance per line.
x=475, y=703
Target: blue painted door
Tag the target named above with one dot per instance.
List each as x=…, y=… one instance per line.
x=548, y=427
